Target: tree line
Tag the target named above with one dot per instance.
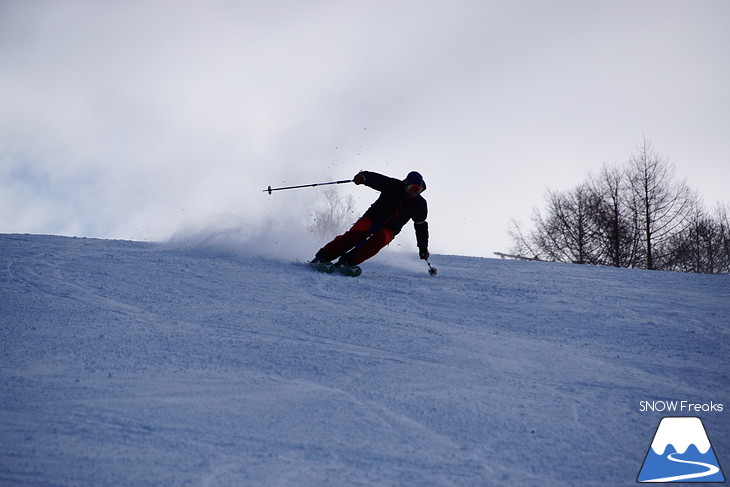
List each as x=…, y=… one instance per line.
x=635, y=215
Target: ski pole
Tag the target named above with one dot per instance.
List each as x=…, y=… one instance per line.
x=431, y=270
x=270, y=189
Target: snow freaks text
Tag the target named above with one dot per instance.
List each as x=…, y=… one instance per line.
x=680, y=407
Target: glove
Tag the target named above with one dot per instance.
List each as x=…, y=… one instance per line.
x=423, y=254
x=359, y=178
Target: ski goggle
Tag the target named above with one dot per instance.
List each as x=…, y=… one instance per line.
x=413, y=189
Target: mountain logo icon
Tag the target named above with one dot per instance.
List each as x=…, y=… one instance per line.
x=680, y=452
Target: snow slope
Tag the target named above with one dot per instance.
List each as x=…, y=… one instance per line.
x=126, y=363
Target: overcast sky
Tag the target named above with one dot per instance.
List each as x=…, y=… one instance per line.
x=141, y=119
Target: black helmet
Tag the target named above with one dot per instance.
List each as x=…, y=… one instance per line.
x=415, y=177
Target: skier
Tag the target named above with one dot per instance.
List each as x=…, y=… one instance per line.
x=399, y=201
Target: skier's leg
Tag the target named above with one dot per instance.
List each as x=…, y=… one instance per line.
x=342, y=243
x=370, y=247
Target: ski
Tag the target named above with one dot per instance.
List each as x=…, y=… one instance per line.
x=348, y=270
x=326, y=267
x=329, y=268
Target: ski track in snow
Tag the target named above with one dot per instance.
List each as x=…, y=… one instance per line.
x=125, y=363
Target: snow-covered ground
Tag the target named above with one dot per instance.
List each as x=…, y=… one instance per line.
x=125, y=363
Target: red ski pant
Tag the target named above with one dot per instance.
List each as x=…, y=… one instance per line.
x=360, y=242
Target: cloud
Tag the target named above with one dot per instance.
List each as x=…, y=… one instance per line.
x=115, y=111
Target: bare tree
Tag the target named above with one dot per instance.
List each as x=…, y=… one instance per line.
x=614, y=228
x=563, y=234
x=705, y=246
x=334, y=215
x=522, y=244
x=638, y=215
x=662, y=205
x=723, y=223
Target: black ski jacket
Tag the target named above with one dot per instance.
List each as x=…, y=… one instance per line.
x=394, y=207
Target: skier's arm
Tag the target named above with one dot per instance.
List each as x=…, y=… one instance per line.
x=376, y=181
x=421, y=226
x=422, y=238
